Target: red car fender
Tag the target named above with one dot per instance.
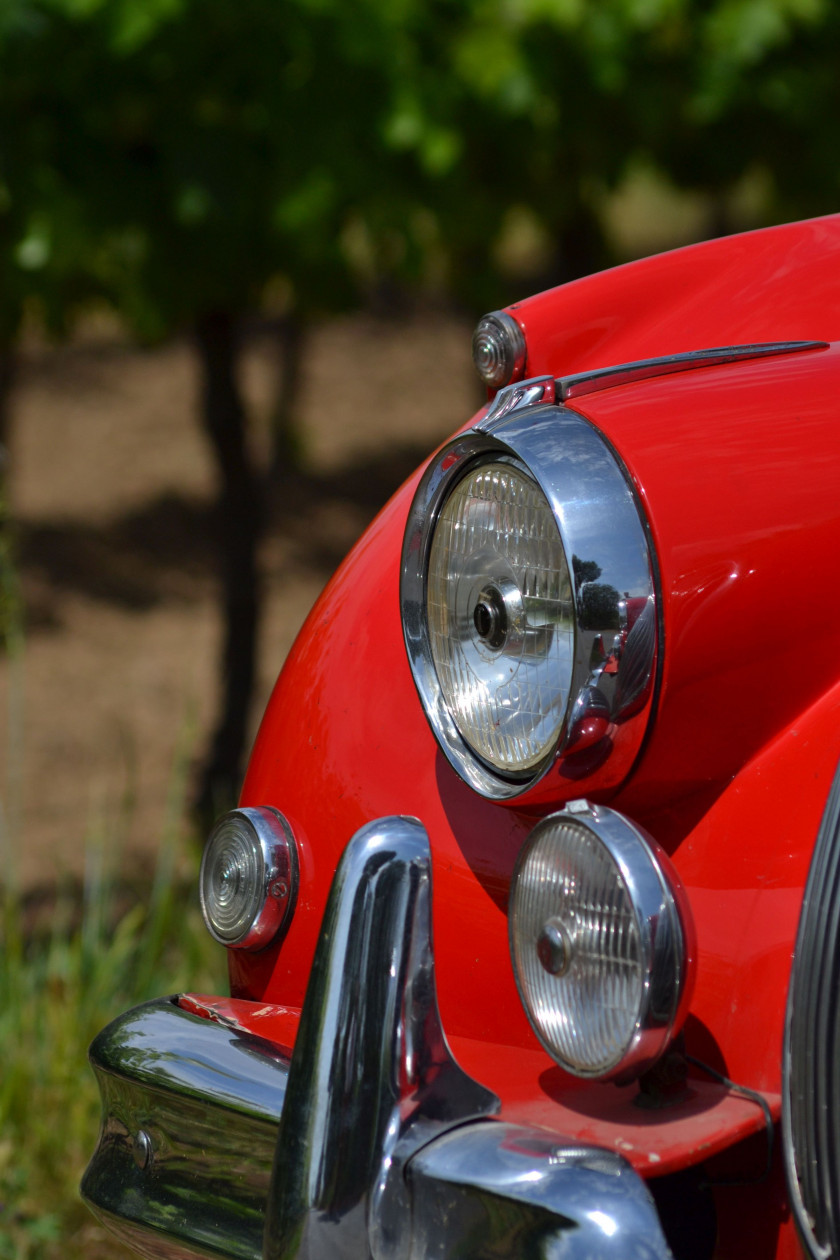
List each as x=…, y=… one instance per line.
x=730, y=465
x=777, y=284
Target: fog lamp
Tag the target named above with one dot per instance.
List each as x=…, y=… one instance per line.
x=249, y=876
x=498, y=349
x=600, y=936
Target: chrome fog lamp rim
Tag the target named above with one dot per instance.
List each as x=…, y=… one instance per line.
x=660, y=915
x=266, y=841
x=602, y=531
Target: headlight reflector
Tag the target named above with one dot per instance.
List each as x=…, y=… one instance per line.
x=500, y=616
x=248, y=879
x=600, y=941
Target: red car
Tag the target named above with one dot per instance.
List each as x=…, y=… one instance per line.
x=532, y=902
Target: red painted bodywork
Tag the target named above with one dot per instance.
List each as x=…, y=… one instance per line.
x=736, y=468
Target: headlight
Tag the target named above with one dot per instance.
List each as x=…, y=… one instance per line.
x=528, y=601
x=248, y=880
x=601, y=941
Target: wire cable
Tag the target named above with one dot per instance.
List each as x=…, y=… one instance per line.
x=752, y=1095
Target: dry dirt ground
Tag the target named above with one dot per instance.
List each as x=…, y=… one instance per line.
x=111, y=486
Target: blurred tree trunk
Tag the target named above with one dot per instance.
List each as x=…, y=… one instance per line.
x=286, y=439
x=581, y=246
x=240, y=525
x=7, y=377
x=11, y=611
x=719, y=217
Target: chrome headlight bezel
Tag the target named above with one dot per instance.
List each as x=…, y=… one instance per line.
x=598, y=518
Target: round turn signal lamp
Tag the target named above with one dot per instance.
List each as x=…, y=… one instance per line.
x=498, y=349
x=249, y=878
x=601, y=939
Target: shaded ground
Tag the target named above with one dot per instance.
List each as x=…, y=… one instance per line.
x=112, y=487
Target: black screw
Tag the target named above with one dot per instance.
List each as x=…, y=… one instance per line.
x=490, y=617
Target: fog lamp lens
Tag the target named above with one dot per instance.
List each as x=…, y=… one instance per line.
x=248, y=878
x=501, y=616
x=498, y=349
x=598, y=942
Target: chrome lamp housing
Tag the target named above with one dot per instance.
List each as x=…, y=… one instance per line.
x=529, y=602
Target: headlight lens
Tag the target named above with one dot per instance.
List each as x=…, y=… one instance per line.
x=500, y=620
x=248, y=879
x=599, y=943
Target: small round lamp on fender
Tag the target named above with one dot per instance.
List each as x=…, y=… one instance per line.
x=249, y=877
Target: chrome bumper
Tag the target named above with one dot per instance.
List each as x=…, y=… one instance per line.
x=370, y=1141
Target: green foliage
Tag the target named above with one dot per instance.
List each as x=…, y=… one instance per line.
x=63, y=976
x=741, y=89
x=778, y=102
x=57, y=990
x=176, y=156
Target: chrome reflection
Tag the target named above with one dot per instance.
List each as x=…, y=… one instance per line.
x=523, y=1192
x=189, y=1128
x=372, y=1078
x=530, y=393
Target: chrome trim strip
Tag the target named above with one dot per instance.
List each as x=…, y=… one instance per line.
x=611, y=563
x=372, y=1079
x=553, y=1197
x=581, y=383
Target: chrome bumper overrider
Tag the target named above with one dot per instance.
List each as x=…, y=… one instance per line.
x=370, y=1141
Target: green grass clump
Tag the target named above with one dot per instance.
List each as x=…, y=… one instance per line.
x=60, y=982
